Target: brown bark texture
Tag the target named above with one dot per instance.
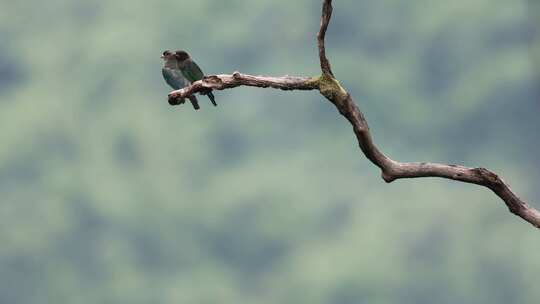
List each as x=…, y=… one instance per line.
x=330, y=88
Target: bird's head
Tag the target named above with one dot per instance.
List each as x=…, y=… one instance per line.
x=167, y=55
x=181, y=55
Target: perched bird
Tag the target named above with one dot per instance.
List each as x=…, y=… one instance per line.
x=174, y=77
x=191, y=70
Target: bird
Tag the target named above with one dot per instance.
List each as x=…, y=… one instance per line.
x=174, y=77
x=191, y=70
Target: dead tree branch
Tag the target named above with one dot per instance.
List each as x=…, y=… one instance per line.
x=330, y=88
x=325, y=20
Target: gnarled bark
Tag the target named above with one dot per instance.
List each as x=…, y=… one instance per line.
x=330, y=88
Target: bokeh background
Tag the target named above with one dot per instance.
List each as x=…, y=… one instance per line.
x=109, y=195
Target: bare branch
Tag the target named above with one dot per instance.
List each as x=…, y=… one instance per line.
x=325, y=20
x=330, y=88
x=221, y=82
x=393, y=170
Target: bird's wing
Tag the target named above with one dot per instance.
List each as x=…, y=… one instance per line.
x=174, y=78
x=192, y=71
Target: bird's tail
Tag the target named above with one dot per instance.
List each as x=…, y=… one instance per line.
x=212, y=99
x=194, y=102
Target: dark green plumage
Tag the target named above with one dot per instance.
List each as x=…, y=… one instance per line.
x=191, y=70
x=174, y=77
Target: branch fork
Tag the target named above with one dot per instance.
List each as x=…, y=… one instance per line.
x=330, y=88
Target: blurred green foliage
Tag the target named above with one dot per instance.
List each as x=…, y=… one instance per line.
x=109, y=195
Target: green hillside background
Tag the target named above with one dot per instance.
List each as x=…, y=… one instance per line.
x=110, y=195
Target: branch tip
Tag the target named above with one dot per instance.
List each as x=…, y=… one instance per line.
x=325, y=20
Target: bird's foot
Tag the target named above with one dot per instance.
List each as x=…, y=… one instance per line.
x=175, y=102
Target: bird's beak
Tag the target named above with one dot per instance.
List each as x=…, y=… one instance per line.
x=161, y=56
